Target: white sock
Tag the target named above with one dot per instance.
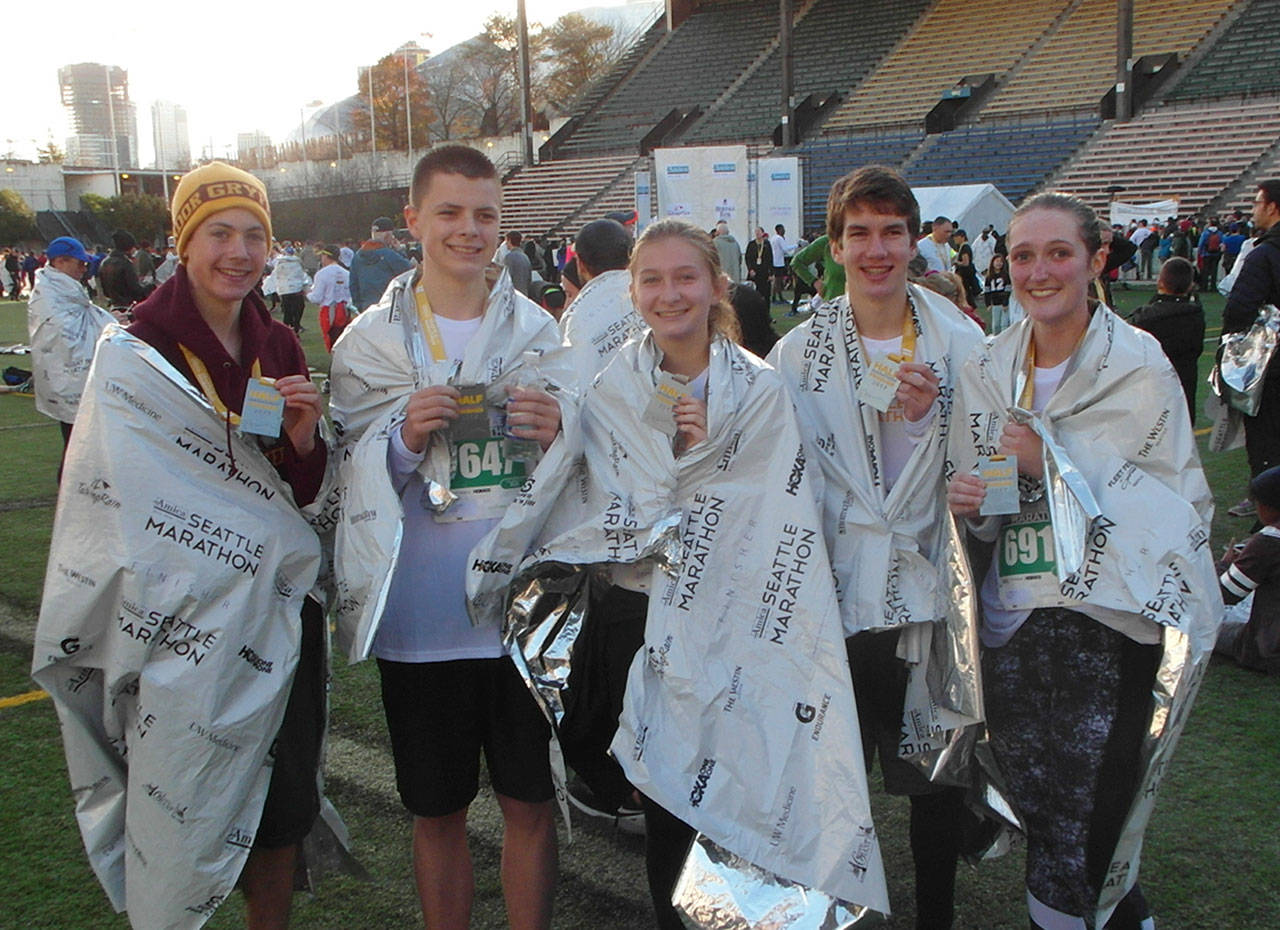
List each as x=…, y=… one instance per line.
x=1046, y=918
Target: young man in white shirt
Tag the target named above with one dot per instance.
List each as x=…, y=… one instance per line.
x=871, y=375
x=449, y=689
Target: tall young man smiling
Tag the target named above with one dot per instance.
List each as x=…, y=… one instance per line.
x=870, y=374
x=448, y=688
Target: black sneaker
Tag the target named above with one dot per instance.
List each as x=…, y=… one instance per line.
x=627, y=818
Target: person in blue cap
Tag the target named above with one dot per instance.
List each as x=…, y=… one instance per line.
x=63, y=327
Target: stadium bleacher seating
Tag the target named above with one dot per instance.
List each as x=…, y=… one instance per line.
x=1014, y=157
x=952, y=39
x=1074, y=67
x=690, y=69
x=1053, y=61
x=1242, y=61
x=834, y=44
x=826, y=158
x=1188, y=151
x=541, y=199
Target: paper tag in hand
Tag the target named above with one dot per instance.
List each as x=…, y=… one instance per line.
x=658, y=414
x=1000, y=472
x=263, y=411
x=880, y=383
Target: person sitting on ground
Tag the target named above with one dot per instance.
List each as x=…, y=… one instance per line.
x=1176, y=319
x=1254, y=569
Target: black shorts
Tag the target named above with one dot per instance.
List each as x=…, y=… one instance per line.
x=442, y=714
x=293, y=797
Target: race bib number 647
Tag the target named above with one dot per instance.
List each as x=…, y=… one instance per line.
x=482, y=465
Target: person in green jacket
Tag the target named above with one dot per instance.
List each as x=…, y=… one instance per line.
x=827, y=280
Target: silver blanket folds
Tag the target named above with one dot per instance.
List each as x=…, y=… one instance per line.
x=739, y=715
x=169, y=643
x=1118, y=423
x=378, y=362
x=886, y=544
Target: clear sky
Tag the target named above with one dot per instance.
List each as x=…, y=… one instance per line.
x=235, y=65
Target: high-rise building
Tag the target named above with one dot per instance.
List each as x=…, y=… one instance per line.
x=104, y=121
x=249, y=143
x=169, y=131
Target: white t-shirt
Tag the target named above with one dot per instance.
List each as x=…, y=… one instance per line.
x=781, y=248
x=425, y=619
x=937, y=255
x=898, y=435
x=999, y=624
x=330, y=286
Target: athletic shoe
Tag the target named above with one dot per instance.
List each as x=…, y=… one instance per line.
x=627, y=819
x=1243, y=509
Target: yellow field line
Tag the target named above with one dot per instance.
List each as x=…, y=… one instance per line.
x=1204, y=432
x=20, y=699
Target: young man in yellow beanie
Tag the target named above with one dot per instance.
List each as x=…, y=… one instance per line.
x=210, y=324
x=217, y=574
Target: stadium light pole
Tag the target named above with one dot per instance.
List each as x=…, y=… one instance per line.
x=115, y=142
x=1124, y=60
x=408, y=113
x=373, y=128
x=788, y=68
x=526, y=103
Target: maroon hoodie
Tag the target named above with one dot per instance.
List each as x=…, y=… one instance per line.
x=169, y=317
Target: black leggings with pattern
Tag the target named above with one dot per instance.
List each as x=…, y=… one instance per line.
x=1067, y=703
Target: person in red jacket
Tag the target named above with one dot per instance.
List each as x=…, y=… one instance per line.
x=210, y=324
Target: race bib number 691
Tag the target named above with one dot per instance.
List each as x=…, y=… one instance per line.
x=1027, y=549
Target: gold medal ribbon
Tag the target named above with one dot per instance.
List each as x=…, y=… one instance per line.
x=206, y=383
x=427, y=320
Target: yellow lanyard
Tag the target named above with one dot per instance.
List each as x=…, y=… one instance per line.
x=427, y=320
x=1027, y=397
x=206, y=383
x=908, y=349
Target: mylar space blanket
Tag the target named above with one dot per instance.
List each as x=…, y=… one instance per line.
x=886, y=542
x=1118, y=423
x=739, y=715
x=378, y=362
x=168, y=633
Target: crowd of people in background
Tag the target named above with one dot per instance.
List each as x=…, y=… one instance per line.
x=659, y=368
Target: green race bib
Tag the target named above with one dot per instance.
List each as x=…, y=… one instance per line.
x=480, y=464
x=1026, y=548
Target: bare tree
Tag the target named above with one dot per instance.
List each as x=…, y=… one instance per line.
x=446, y=83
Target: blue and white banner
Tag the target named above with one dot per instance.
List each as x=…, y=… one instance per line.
x=704, y=186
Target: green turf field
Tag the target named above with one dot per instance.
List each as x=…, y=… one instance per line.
x=1212, y=858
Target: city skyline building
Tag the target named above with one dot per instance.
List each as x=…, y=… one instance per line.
x=102, y=117
x=249, y=143
x=170, y=136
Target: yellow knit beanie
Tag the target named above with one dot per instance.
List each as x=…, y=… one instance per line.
x=213, y=187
